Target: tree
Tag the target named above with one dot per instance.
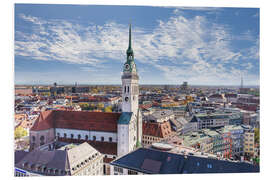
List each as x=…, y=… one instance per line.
x=108, y=109
x=257, y=135
x=100, y=106
x=20, y=132
x=92, y=106
x=84, y=106
x=94, y=91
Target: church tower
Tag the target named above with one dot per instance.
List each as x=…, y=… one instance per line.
x=129, y=128
x=130, y=79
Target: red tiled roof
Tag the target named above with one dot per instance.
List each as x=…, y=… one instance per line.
x=43, y=122
x=103, y=147
x=82, y=120
x=161, y=130
x=107, y=160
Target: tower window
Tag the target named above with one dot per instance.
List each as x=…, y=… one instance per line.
x=128, y=89
x=125, y=88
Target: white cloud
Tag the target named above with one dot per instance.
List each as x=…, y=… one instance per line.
x=202, y=46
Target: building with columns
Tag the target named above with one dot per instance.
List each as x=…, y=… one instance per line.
x=112, y=134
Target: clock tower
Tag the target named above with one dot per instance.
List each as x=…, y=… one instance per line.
x=129, y=128
x=130, y=78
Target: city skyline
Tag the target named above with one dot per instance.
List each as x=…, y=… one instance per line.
x=87, y=44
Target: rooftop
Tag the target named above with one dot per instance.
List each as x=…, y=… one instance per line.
x=151, y=161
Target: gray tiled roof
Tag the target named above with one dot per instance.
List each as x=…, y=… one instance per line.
x=170, y=163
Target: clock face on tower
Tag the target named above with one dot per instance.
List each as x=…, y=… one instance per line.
x=126, y=99
x=127, y=67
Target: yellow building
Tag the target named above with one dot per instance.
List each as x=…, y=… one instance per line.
x=249, y=143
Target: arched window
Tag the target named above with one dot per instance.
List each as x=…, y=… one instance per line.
x=94, y=138
x=71, y=136
x=79, y=136
x=42, y=140
x=65, y=135
x=128, y=89
x=86, y=137
x=33, y=138
x=110, y=139
x=102, y=138
x=58, y=134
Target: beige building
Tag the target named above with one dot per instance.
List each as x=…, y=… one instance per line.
x=249, y=142
x=70, y=160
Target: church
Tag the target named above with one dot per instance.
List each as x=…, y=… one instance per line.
x=113, y=134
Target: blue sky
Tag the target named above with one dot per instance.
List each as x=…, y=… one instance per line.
x=87, y=44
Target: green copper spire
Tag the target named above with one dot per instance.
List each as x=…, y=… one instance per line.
x=129, y=43
x=130, y=55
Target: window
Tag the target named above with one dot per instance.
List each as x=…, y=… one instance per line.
x=118, y=169
x=132, y=172
x=65, y=135
x=198, y=163
x=71, y=136
x=42, y=139
x=86, y=137
x=102, y=138
x=79, y=137
x=110, y=139
x=33, y=138
x=209, y=165
x=58, y=134
x=94, y=138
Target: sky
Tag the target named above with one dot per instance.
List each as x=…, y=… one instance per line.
x=87, y=44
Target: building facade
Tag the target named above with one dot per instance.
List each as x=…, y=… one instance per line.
x=68, y=161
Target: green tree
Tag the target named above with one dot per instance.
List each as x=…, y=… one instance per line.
x=84, y=106
x=20, y=132
x=100, y=106
x=257, y=135
x=92, y=106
